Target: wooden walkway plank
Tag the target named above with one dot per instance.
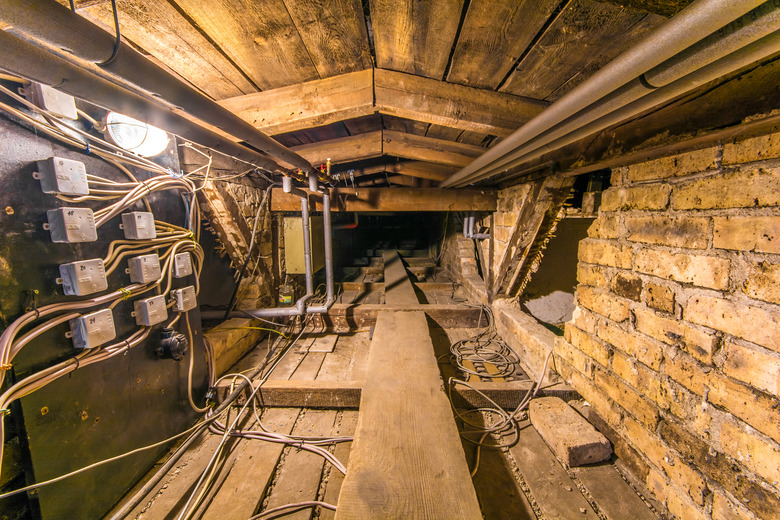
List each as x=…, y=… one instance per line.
x=398, y=288
x=554, y=491
x=309, y=367
x=407, y=460
x=255, y=463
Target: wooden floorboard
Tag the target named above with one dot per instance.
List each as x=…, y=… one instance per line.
x=407, y=460
x=554, y=492
x=298, y=476
x=615, y=498
x=242, y=490
x=342, y=451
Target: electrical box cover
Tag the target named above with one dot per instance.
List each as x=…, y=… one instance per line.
x=94, y=329
x=138, y=225
x=64, y=176
x=182, y=265
x=72, y=225
x=184, y=299
x=293, y=245
x=83, y=277
x=51, y=99
x=144, y=268
x=150, y=311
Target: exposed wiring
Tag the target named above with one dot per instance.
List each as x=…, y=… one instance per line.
x=118, y=36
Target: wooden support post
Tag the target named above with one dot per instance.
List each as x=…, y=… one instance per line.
x=407, y=460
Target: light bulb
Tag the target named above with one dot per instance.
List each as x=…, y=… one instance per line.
x=136, y=136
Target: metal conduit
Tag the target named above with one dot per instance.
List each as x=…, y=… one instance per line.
x=754, y=26
x=691, y=25
x=756, y=51
x=31, y=62
x=328, y=240
x=55, y=24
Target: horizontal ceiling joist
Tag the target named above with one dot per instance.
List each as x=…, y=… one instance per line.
x=417, y=169
x=338, y=98
x=389, y=142
x=396, y=200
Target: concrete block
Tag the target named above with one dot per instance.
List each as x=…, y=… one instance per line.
x=573, y=439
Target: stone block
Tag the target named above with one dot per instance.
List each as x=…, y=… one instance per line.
x=752, y=365
x=754, y=149
x=703, y=271
x=627, y=285
x=674, y=166
x=687, y=232
x=763, y=282
x=749, y=188
x=760, y=234
x=736, y=318
x=659, y=297
x=573, y=439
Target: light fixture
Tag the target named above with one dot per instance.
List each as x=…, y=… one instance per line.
x=136, y=136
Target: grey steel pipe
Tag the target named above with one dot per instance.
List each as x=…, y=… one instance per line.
x=31, y=62
x=328, y=241
x=748, y=55
x=469, y=223
x=55, y=24
x=755, y=25
x=692, y=24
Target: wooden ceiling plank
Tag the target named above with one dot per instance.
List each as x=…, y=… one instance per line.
x=379, y=199
x=582, y=32
x=493, y=37
x=409, y=126
x=610, y=52
x=427, y=149
x=365, y=124
x=413, y=36
x=422, y=170
x=314, y=103
x=260, y=37
x=345, y=149
x=334, y=33
x=447, y=104
x=160, y=30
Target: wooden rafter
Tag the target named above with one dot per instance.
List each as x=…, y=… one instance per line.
x=356, y=94
x=389, y=142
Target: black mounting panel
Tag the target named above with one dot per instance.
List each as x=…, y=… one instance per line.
x=104, y=409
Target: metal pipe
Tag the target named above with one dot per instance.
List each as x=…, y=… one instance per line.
x=763, y=48
x=55, y=24
x=469, y=224
x=692, y=24
x=307, y=246
x=33, y=63
x=752, y=27
x=328, y=241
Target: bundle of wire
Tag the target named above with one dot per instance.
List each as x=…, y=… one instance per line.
x=487, y=346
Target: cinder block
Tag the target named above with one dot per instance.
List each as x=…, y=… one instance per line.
x=573, y=439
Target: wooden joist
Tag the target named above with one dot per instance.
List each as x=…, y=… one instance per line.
x=407, y=460
x=324, y=101
x=337, y=394
x=396, y=200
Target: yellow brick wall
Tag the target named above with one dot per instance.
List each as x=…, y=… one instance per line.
x=676, y=338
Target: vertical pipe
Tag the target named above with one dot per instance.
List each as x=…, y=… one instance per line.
x=307, y=245
x=328, y=246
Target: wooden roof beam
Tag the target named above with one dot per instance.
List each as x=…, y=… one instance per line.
x=355, y=94
x=397, y=199
x=388, y=142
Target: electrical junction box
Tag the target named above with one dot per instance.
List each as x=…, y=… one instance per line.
x=63, y=176
x=83, y=277
x=293, y=245
x=150, y=311
x=182, y=265
x=72, y=225
x=138, y=225
x=144, y=268
x=92, y=330
x=184, y=299
x=51, y=99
